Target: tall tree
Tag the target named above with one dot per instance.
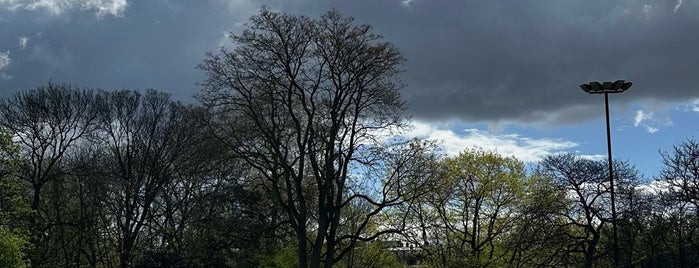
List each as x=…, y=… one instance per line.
x=48, y=122
x=299, y=99
x=681, y=171
x=538, y=239
x=463, y=221
x=85, y=197
x=680, y=176
x=587, y=206
x=145, y=138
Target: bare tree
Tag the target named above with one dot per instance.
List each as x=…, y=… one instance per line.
x=48, y=122
x=145, y=137
x=681, y=172
x=680, y=206
x=299, y=99
x=587, y=213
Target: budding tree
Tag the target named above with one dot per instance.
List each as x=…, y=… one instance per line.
x=304, y=102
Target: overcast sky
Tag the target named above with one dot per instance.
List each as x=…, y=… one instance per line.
x=498, y=74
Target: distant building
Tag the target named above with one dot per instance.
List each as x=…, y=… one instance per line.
x=407, y=252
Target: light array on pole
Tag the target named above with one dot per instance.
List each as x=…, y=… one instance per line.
x=606, y=87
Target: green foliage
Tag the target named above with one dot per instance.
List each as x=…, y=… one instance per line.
x=286, y=257
x=537, y=235
x=7, y=151
x=374, y=254
x=484, y=192
x=12, y=249
x=14, y=204
x=14, y=208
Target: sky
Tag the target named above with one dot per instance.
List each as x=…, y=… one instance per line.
x=501, y=75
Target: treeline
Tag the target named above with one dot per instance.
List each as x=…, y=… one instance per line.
x=293, y=157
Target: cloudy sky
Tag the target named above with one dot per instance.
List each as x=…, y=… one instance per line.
x=499, y=74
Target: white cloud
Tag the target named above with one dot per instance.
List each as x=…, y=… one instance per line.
x=523, y=148
x=641, y=116
x=4, y=62
x=594, y=157
x=690, y=106
x=647, y=10
x=407, y=3
x=678, y=5
x=650, y=122
x=58, y=7
x=5, y=59
x=655, y=187
x=23, y=40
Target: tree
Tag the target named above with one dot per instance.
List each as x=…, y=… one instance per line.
x=587, y=209
x=83, y=201
x=14, y=209
x=639, y=208
x=463, y=221
x=232, y=224
x=538, y=239
x=681, y=172
x=48, y=122
x=145, y=140
x=300, y=99
x=680, y=201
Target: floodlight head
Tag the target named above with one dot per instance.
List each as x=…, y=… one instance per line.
x=607, y=87
x=621, y=85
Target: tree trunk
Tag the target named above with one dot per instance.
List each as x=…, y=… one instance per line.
x=125, y=254
x=590, y=252
x=301, y=252
x=125, y=258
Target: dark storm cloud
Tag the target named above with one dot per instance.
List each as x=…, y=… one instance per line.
x=490, y=61
x=523, y=60
x=153, y=44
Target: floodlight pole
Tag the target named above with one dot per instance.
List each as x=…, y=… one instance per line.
x=611, y=181
x=606, y=88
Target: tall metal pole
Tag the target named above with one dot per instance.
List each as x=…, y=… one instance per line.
x=618, y=86
x=611, y=181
